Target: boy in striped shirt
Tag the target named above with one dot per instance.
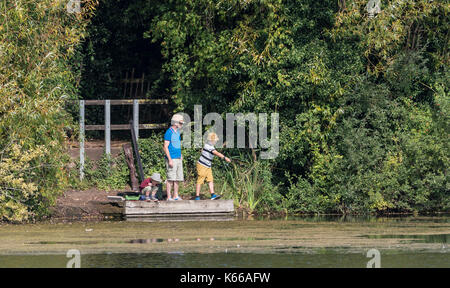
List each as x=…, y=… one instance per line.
x=204, y=170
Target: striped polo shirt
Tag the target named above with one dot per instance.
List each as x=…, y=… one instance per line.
x=207, y=155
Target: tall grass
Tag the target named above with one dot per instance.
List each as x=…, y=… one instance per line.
x=244, y=184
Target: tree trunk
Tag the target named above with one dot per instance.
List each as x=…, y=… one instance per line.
x=130, y=161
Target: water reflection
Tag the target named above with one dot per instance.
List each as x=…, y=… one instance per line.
x=439, y=218
x=178, y=259
x=174, y=240
x=146, y=241
x=194, y=243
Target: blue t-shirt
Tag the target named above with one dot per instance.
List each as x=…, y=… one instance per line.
x=175, y=143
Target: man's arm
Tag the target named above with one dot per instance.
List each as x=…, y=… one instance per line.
x=166, y=151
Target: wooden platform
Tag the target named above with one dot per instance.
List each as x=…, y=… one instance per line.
x=208, y=209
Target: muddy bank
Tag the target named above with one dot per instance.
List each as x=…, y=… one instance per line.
x=92, y=204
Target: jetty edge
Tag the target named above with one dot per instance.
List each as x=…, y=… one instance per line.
x=210, y=209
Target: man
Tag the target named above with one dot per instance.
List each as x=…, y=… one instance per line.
x=174, y=160
x=150, y=185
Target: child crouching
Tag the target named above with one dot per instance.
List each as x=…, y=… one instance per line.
x=149, y=187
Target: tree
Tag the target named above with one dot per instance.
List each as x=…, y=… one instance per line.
x=37, y=41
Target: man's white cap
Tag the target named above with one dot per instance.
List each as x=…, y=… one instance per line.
x=177, y=118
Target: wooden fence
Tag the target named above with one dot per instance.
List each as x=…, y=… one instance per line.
x=135, y=87
x=107, y=127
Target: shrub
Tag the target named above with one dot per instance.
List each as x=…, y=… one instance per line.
x=37, y=40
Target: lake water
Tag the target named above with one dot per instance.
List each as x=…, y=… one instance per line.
x=287, y=242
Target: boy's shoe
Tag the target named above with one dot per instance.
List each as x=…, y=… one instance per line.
x=215, y=196
x=197, y=198
x=177, y=199
x=170, y=199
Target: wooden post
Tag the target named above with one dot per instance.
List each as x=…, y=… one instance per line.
x=81, y=139
x=108, y=127
x=136, y=151
x=137, y=87
x=130, y=162
x=142, y=85
x=131, y=83
x=136, y=118
x=125, y=85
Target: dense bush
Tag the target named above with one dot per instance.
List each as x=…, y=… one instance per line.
x=363, y=101
x=361, y=127
x=107, y=173
x=37, y=42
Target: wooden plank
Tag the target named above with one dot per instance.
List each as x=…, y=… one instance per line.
x=188, y=207
x=126, y=126
x=126, y=101
x=115, y=198
x=180, y=218
x=132, y=81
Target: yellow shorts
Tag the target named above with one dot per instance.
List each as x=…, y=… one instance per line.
x=204, y=173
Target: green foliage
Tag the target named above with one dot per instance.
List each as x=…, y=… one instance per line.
x=384, y=154
x=152, y=155
x=37, y=41
x=106, y=173
x=112, y=173
x=248, y=183
x=349, y=143
x=363, y=102
x=400, y=25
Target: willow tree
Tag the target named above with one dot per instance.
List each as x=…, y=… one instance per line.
x=386, y=28
x=360, y=85
x=37, y=44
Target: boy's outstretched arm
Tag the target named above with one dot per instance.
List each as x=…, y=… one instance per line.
x=221, y=156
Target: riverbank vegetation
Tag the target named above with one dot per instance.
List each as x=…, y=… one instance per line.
x=363, y=99
x=37, y=44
